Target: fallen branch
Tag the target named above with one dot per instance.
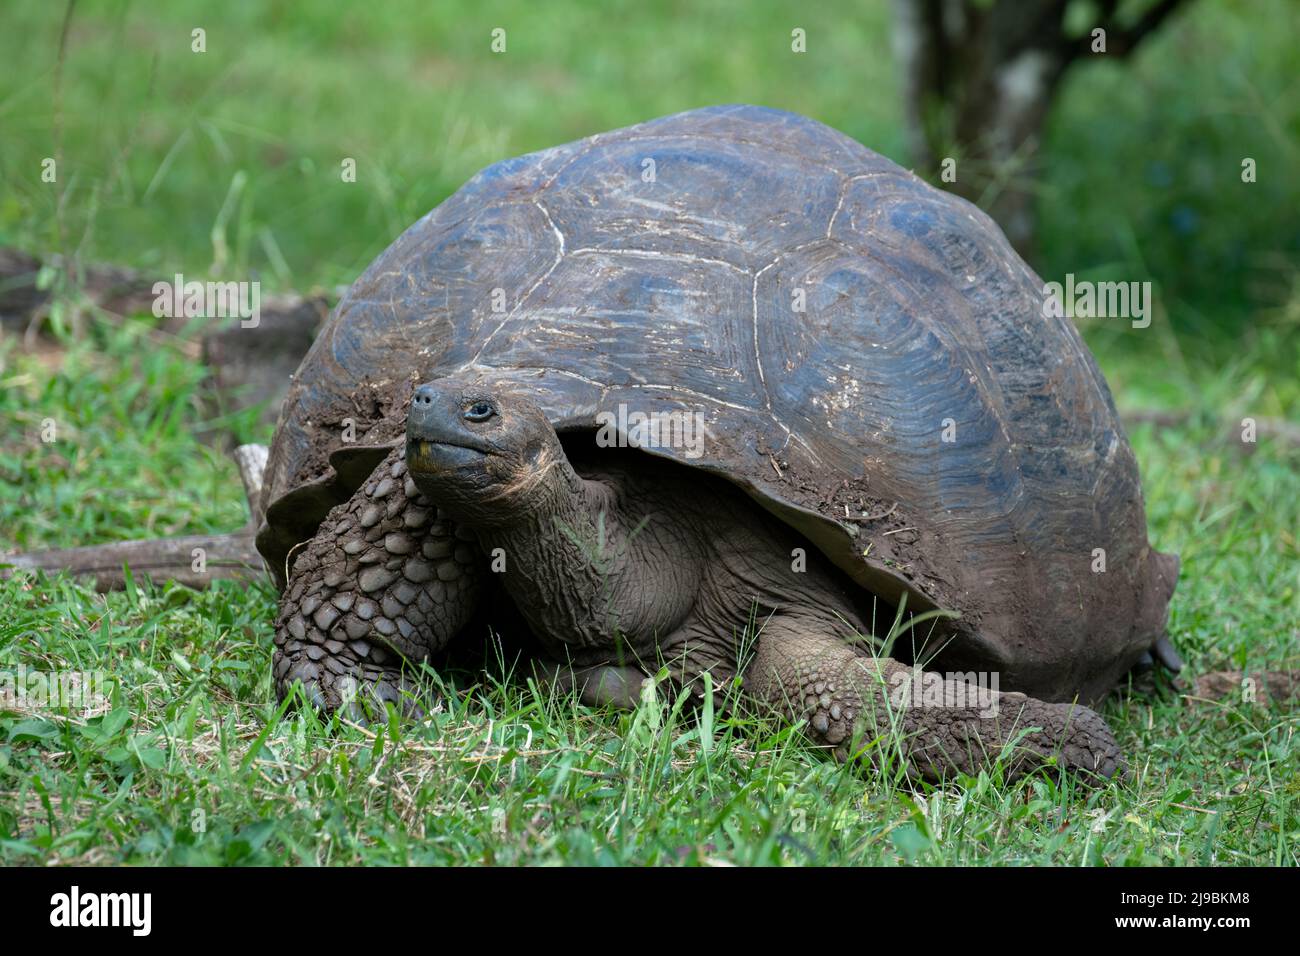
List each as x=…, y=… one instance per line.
x=251, y=460
x=1276, y=429
x=218, y=557
x=195, y=560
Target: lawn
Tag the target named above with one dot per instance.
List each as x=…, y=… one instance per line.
x=227, y=163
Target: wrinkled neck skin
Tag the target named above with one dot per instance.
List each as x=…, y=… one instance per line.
x=511, y=507
x=526, y=521
x=565, y=554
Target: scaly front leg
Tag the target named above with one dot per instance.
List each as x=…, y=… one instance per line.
x=383, y=579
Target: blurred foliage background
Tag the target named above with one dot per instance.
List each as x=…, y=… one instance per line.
x=227, y=162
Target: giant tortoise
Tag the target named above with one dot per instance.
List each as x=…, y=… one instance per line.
x=723, y=392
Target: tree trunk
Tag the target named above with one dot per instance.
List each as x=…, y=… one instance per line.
x=978, y=81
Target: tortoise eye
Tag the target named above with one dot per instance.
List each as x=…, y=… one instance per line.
x=479, y=412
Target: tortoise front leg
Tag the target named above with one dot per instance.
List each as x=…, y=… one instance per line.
x=383, y=579
x=851, y=700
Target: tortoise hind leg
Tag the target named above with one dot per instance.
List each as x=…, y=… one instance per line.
x=384, y=579
x=939, y=727
x=601, y=685
x=1167, y=654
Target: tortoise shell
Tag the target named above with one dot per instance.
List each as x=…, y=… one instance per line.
x=870, y=357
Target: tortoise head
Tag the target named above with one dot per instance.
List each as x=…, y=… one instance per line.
x=483, y=455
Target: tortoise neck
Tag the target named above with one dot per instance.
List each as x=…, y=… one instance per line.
x=556, y=498
x=555, y=559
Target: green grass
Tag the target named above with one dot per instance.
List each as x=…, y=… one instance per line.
x=227, y=163
x=193, y=762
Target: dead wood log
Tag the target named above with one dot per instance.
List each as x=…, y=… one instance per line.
x=1272, y=429
x=195, y=560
